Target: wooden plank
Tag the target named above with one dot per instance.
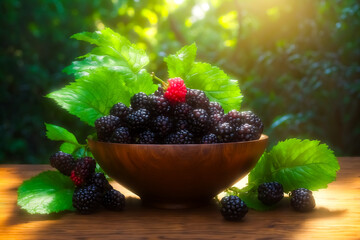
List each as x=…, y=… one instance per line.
x=337, y=215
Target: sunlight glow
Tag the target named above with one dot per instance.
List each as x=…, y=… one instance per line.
x=198, y=11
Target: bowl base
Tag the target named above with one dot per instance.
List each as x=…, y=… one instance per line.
x=163, y=204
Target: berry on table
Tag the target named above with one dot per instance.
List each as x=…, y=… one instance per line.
x=63, y=162
x=113, y=200
x=302, y=200
x=87, y=199
x=270, y=193
x=176, y=90
x=233, y=208
x=99, y=180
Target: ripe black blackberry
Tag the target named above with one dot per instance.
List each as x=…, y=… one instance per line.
x=146, y=137
x=252, y=119
x=181, y=125
x=87, y=199
x=225, y=132
x=215, y=120
x=233, y=208
x=302, y=200
x=120, y=110
x=113, y=200
x=121, y=135
x=197, y=98
x=139, y=100
x=63, y=162
x=180, y=137
x=270, y=193
x=84, y=168
x=199, y=121
x=234, y=118
x=138, y=120
x=162, y=125
x=215, y=108
x=105, y=126
x=160, y=91
x=246, y=132
x=100, y=181
x=209, y=139
x=181, y=111
x=158, y=105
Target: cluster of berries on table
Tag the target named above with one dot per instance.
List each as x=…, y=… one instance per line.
x=176, y=115
x=270, y=193
x=92, y=188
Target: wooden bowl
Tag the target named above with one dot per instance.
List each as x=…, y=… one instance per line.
x=177, y=176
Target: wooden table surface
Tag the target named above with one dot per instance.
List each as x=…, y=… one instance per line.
x=337, y=215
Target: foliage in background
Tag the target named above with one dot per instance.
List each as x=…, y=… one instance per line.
x=298, y=61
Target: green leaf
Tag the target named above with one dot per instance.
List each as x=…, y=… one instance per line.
x=295, y=164
x=45, y=193
x=68, y=147
x=92, y=96
x=250, y=197
x=57, y=133
x=214, y=82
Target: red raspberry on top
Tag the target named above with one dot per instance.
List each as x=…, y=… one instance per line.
x=176, y=90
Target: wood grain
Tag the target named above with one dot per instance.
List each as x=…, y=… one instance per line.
x=337, y=216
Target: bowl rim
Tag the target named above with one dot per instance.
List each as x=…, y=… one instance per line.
x=263, y=137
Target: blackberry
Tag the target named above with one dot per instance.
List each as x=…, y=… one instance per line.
x=234, y=118
x=215, y=108
x=121, y=135
x=226, y=132
x=199, y=121
x=114, y=200
x=181, y=124
x=63, y=162
x=139, y=100
x=146, y=137
x=197, y=99
x=181, y=111
x=87, y=199
x=246, y=132
x=162, y=125
x=270, y=193
x=120, y=110
x=215, y=120
x=302, y=200
x=138, y=120
x=160, y=91
x=105, y=126
x=159, y=105
x=250, y=118
x=209, y=139
x=100, y=181
x=233, y=208
x=180, y=137
x=84, y=168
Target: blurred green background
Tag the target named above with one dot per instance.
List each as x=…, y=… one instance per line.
x=297, y=62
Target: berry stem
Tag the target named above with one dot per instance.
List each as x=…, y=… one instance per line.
x=158, y=79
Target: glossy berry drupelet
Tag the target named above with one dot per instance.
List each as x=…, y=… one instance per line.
x=113, y=200
x=84, y=168
x=105, y=126
x=180, y=137
x=63, y=162
x=197, y=99
x=252, y=119
x=158, y=105
x=87, y=199
x=234, y=118
x=162, y=125
x=160, y=91
x=181, y=111
x=246, y=132
x=120, y=110
x=270, y=193
x=121, y=135
x=199, y=121
x=146, y=137
x=139, y=100
x=215, y=120
x=302, y=200
x=138, y=120
x=209, y=139
x=100, y=181
x=225, y=131
x=215, y=108
x=181, y=125
x=233, y=208
x=176, y=90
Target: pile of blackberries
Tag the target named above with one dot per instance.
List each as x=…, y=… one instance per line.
x=156, y=119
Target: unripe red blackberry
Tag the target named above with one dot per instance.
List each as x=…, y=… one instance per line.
x=84, y=168
x=176, y=90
